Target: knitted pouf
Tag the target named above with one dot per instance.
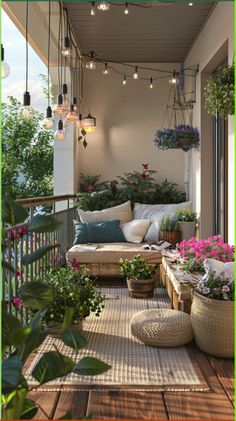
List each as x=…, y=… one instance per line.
x=162, y=328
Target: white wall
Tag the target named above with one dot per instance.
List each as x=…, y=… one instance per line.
x=214, y=43
x=127, y=119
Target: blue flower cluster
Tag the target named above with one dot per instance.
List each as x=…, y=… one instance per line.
x=182, y=137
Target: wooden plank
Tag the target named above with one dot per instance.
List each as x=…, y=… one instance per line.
x=126, y=404
x=198, y=406
x=75, y=402
x=224, y=369
x=47, y=402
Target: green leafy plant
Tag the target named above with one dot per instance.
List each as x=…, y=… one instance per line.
x=72, y=289
x=220, y=287
x=20, y=339
x=219, y=93
x=91, y=183
x=137, y=268
x=169, y=224
x=186, y=215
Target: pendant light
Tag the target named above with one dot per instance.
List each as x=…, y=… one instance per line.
x=66, y=50
x=47, y=122
x=89, y=123
x=106, y=70
x=58, y=109
x=91, y=65
x=135, y=75
x=26, y=111
x=80, y=122
x=92, y=11
x=72, y=115
x=104, y=6
x=124, y=82
x=65, y=102
x=173, y=80
x=151, y=83
x=126, y=10
x=5, y=69
x=60, y=132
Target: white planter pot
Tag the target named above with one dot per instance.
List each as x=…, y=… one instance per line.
x=187, y=229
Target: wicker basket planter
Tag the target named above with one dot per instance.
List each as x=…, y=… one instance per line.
x=142, y=288
x=173, y=237
x=213, y=325
x=54, y=328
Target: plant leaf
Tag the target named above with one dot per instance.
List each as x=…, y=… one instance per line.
x=43, y=223
x=51, y=366
x=74, y=339
x=14, y=402
x=12, y=212
x=8, y=266
x=31, y=342
x=35, y=294
x=29, y=410
x=89, y=366
x=11, y=373
x=37, y=254
x=68, y=317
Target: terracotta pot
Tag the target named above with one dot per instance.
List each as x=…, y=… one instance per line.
x=213, y=325
x=142, y=288
x=187, y=229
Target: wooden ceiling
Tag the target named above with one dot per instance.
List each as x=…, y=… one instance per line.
x=163, y=32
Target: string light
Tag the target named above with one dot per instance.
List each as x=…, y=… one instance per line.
x=135, y=75
x=126, y=10
x=124, y=81
x=5, y=69
x=91, y=65
x=104, y=6
x=174, y=79
x=106, y=70
x=190, y=4
x=92, y=11
x=60, y=132
x=151, y=83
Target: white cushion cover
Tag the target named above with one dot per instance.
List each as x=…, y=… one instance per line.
x=219, y=267
x=122, y=212
x=135, y=230
x=155, y=213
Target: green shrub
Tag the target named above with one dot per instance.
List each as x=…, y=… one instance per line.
x=186, y=215
x=137, y=268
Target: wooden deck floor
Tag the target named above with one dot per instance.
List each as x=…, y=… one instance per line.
x=216, y=404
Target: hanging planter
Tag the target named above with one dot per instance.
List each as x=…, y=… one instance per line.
x=219, y=93
x=183, y=137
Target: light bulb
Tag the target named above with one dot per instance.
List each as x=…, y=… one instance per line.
x=47, y=122
x=135, y=75
x=173, y=80
x=26, y=111
x=66, y=51
x=60, y=132
x=103, y=6
x=57, y=109
x=92, y=11
x=126, y=11
x=124, y=81
x=190, y=4
x=74, y=102
x=72, y=116
x=151, y=84
x=106, y=70
x=5, y=68
x=90, y=65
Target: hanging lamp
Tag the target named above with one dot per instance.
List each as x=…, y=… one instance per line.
x=26, y=111
x=89, y=123
x=5, y=69
x=47, y=122
x=66, y=50
x=60, y=132
x=91, y=65
x=72, y=116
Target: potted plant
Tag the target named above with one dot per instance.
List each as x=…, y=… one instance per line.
x=170, y=230
x=71, y=289
x=140, y=277
x=219, y=93
x=187, y=222
x=192, y=253
x=212, y=314
x=181, y=137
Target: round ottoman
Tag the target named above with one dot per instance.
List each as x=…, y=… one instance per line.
x=162, y=328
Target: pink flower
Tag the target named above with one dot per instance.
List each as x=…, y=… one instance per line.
x=205, y=290
x=145, y=166
x=144, y=175
x=90, y=188
x=225, y=288
x=16, y=302
x=18, y=274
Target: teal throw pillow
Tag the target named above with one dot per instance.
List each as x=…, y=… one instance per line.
x=102, y=232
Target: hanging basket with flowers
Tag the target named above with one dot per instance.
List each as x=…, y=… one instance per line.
x=183, y=137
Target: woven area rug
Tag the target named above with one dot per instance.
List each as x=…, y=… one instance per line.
x=133, y=364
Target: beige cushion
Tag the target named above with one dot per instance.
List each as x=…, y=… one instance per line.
x=155, y=213
x=135, y=230
x=162, y=328
x=122, y=212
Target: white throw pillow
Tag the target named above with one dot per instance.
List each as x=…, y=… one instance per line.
x=122, y=212
x=135, y=230
x=219, y=267
x=155, y=213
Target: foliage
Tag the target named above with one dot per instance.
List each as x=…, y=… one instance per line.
x=137, y=268
x=186, y=215
x=27, y=154
x=135, y=186
x=19, y=340
x=219, y=93
x=90, y=183
x=182, y=137
x=72, y=289
x=169, y=224
x=44, y=79
x=192, y=253
x=220, y=287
